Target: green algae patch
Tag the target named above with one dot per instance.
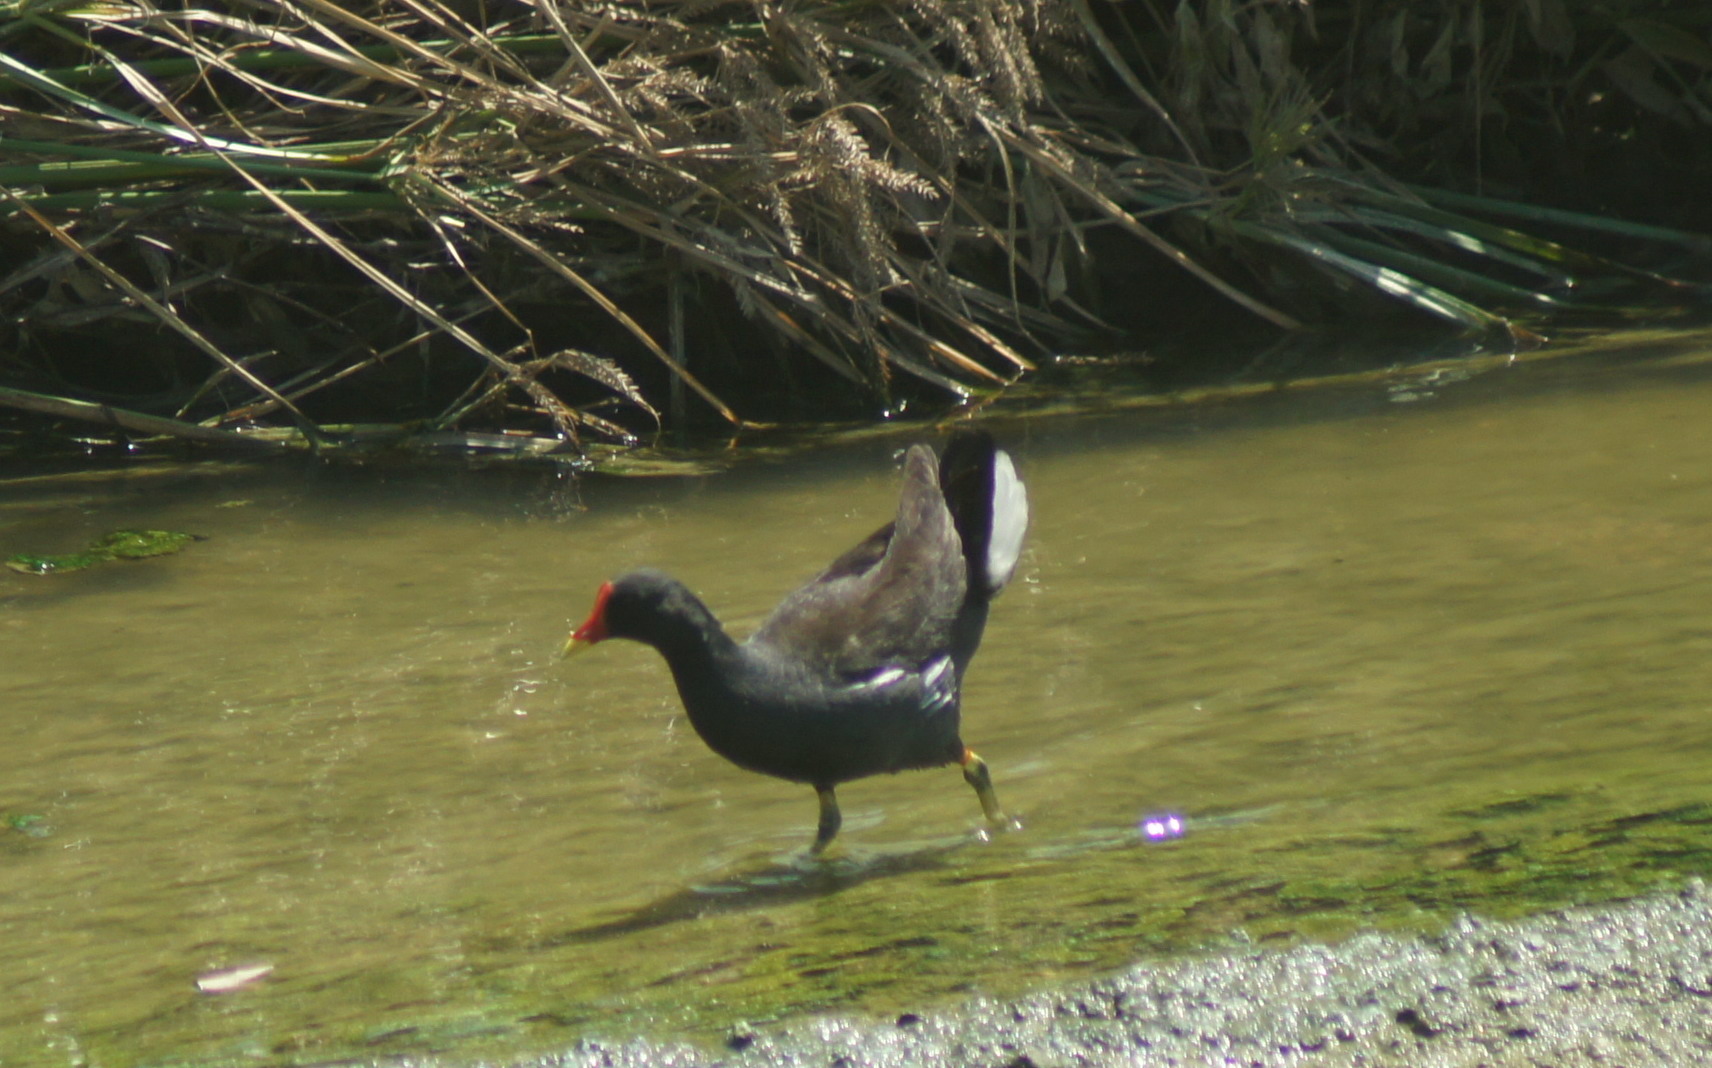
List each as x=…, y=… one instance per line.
x=118, y=545
x=26, y=823
x=1020, y=922
x=906, y=933
x=903, y=934
x=32, y=564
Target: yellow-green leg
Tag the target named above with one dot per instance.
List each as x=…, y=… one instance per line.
x=975, y=773
x=830, y=819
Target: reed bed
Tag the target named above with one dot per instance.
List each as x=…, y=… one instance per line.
x=529, y=226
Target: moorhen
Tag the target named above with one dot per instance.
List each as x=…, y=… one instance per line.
x=858, y=672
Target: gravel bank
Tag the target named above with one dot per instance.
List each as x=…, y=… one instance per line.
x=1626, y=984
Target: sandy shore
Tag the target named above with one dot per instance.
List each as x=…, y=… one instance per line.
x=1625, y=984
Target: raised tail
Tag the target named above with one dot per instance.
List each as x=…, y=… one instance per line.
x=988, y=504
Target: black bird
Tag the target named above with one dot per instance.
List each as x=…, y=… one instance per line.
x=858, y=672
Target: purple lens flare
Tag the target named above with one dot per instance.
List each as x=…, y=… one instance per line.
x=1163, y=826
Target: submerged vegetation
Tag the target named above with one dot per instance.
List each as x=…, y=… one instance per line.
x=118, y=545
x=531, y=225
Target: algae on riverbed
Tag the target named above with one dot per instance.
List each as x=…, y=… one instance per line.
x=704, y=963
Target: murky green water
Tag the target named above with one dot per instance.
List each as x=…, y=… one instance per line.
x=1394, y=649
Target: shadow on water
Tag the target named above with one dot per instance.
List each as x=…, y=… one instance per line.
x=770, y=885
x=802, y=877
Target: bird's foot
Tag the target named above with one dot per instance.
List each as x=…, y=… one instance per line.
x=810, y=862
x=975, y=773
x=1003, y=825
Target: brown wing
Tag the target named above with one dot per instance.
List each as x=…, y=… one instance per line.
x=890, y=600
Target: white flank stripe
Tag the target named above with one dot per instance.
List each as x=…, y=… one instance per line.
x=930, y=677
x=884, y=677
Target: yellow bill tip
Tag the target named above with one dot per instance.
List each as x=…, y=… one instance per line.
x=573, y=646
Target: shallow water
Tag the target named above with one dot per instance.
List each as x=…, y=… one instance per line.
x=1392, y=648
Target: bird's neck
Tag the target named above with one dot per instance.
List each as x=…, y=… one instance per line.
x=694, y=644
x=711, y=672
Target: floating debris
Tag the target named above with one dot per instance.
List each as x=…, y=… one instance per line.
x=226, y=980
